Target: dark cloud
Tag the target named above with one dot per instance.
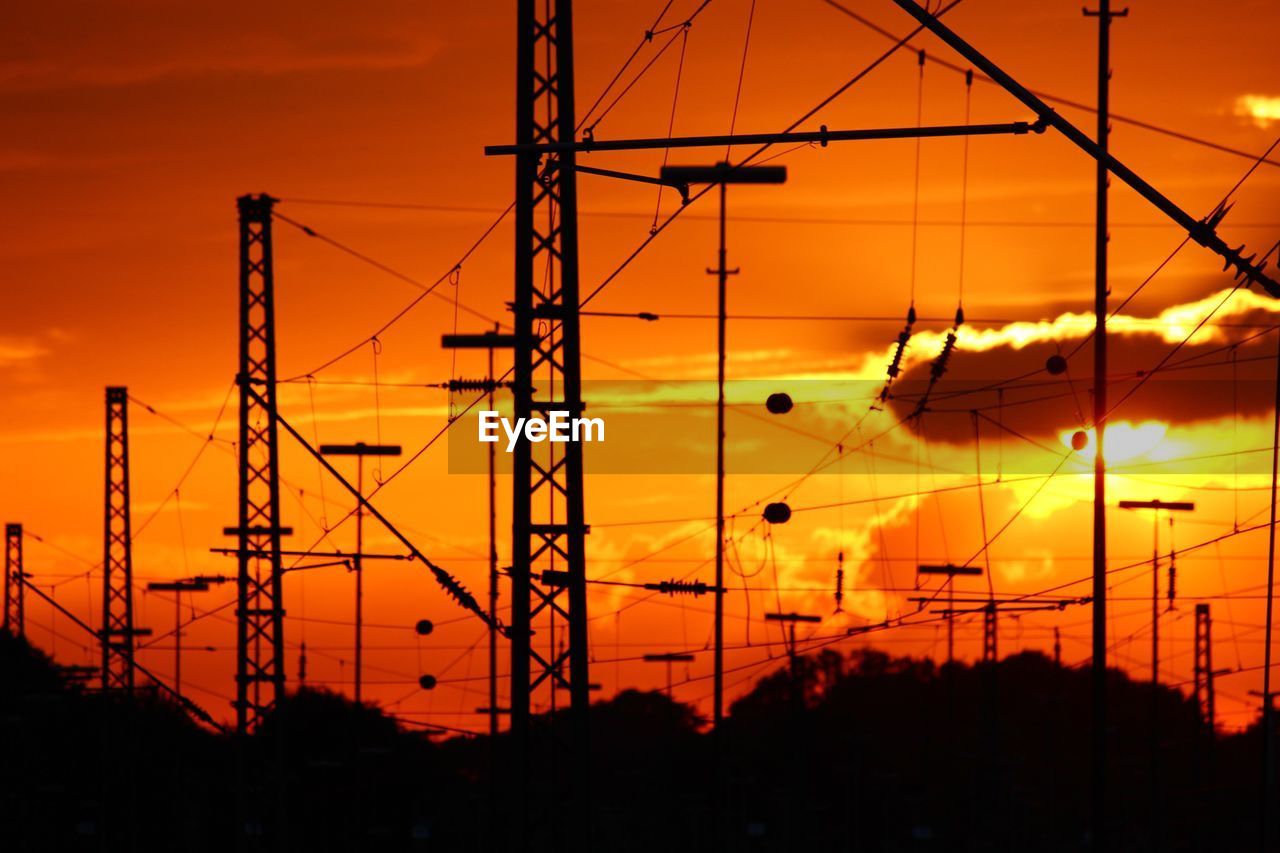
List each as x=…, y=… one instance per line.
x=1197, y=383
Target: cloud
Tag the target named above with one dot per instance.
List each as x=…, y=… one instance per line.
x=1201, y=382
x=16, y=351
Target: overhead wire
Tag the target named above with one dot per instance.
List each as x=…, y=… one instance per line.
x=959, y=69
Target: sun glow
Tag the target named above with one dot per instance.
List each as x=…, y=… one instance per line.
x=1263, y=109
x=1124, y=441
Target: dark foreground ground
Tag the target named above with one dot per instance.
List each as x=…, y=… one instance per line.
x=871, y=753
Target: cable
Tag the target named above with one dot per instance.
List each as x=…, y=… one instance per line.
x=742, y=73
x=647, y=38
x=751, y=157
x=1054, y=98
x=427, y=289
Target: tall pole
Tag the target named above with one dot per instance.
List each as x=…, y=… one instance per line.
x=1268, y=718
x=488, y=341
x=358, y=563
x=14, y=608
x=259, y=608
x=722, y=278
x=1155, y=611
x=1204, y=668
x=1154, y=728
x=117, y=547
x=493, y=565
x=668, y=658
x=359, y=450
x=177, y=643
x=548, y=524
x=1100, y=290
x=722, y=174
x=178, y=587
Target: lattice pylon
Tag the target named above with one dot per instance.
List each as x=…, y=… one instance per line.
x=990, y=651
x=548, y=572
x=260, y=673
x=1204, y=667
x=14, y=588
x=117, y=633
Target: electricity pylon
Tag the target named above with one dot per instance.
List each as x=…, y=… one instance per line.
x=14, y=609
x=260, y=611
x=548, y=566
x=117, y=634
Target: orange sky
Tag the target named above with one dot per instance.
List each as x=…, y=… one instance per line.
x=130, y=129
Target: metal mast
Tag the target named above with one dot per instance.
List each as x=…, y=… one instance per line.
x=259, y=614
x=990, y=652
x=14, y=611
x=1100, y=292
x=1204, y=668
x=548, y=571
x=117, y=551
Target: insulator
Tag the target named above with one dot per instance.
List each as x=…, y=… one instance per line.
x=1173, y=582
x=959, y=316
x=840, y=581
x=777, y=513
x=473, y=385
x=940, y=363
x=778, y=404
x=895, y=366
x=675, y=587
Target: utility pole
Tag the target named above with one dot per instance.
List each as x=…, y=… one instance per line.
x=359, y=450
x=1268, y=712
x=14, y=599
x=260, y=672
x=1154, y=726
x=548, y=525
x=794, y=730
x=668, y=658
x=1101, y=290
x=721, y=174
x=178, y=587
x=118, y=632
x=489, y=341
x=949, y=570
x=790, y=620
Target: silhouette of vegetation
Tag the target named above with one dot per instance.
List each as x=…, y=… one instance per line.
x=862, y=752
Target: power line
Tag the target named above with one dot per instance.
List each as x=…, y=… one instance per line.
x=959, y=69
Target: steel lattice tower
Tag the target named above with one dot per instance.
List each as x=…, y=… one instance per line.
x=260, y=614
x=14, y=612
x=548, y=586
x=1204, y=667
x=117, y=551
x=989, y=637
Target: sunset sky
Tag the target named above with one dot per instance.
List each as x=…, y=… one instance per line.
x=130, y=128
